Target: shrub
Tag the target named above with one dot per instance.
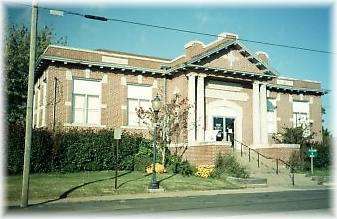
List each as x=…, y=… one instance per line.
x=228, y=165
x=177, y=165
x=143, y=159
x=296, y=161
x=41, y=150
x=72, y=150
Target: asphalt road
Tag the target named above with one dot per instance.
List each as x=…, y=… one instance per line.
x=312, y=201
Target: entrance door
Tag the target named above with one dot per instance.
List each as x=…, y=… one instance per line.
x=230, y=130
x=218, y=124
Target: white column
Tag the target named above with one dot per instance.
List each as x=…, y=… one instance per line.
x=201, y=108
x=256, y=114
x=191, y=110
x=263, y=114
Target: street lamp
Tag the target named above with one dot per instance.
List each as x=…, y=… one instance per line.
x=156, y=104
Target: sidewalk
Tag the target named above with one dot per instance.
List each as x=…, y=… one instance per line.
x=171, y=194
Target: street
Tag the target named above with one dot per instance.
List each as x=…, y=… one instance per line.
x=220, y=204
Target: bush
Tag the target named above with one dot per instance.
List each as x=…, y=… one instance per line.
x=72, y=150
x=179, y=166
x=41, y=150
x=228, y=165
x=143, y=159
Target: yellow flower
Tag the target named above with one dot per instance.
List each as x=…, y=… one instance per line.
x=204, y=171
x=159, y=168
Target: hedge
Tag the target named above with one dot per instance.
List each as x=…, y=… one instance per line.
x=73, y=150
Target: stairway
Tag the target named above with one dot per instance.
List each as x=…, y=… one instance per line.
x=267, y=169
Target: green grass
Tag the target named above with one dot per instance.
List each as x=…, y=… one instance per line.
x=320, y=172
x=101, y=183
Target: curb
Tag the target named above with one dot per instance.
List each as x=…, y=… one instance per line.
x=166, y=195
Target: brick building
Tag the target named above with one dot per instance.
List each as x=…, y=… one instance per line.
x=233, y=93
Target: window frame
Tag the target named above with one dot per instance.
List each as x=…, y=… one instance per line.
x=274, y=121
x=139, y=122
x=85, y=104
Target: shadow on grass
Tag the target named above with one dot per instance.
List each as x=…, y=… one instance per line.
x=167, y=177
x=66, y=193
x=120, y=185
x=149, y=174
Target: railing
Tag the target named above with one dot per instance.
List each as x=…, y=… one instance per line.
x=277, y=160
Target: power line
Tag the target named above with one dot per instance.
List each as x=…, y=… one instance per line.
x=101, y=18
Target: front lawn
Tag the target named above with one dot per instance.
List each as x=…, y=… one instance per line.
x=101, y=183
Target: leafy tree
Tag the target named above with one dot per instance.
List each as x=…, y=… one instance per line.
x=17, y=40
x=172, y=122
x=298, y=135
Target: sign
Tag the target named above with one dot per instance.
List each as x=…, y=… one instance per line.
x=312, y=153
x=117, y=133
x=56, y=12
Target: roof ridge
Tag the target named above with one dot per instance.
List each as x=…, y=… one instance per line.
x=120, y=53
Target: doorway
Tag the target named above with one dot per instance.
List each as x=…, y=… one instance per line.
x=229, y=122
x=225, y=127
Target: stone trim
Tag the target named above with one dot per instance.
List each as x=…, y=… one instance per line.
x=294, y=146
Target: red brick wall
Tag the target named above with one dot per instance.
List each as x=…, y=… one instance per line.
x=280, y=153
x=201, y=155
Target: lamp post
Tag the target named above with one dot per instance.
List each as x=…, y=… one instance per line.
x=156, y=104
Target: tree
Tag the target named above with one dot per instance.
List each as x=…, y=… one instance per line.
x=297, y=135
x=172, y=122
x=17, y=40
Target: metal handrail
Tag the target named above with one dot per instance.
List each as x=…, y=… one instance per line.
x=269, y=158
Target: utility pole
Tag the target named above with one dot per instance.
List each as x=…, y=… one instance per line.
x=29, y=110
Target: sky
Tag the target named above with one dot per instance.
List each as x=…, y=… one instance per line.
x=308, y=27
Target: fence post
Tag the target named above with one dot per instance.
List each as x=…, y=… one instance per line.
x=258, y=160
x=277, y=166
x=249, y=154
x=292, y=176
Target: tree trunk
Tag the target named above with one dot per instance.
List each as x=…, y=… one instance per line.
x=163, y=155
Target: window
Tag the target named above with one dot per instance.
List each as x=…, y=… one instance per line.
x=86, y=102
x=138, y=96
x=301, y=115
x=271, y=116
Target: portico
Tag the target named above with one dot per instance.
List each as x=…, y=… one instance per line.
x=214, y=101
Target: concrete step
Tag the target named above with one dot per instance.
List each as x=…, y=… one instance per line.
x=267, y=170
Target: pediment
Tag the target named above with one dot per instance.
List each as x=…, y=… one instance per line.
x=233, y=56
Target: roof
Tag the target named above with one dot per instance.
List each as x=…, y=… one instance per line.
x=131, y=54
x=143, y=64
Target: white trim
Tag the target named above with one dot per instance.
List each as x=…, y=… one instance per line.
x=155, y=84
x=84, y=125
x=87, y=73
x=105, y=79
x=69, y=75
x=123, y=80
x=225, y=108
x=291, y=146
x=109, y=53
x=263, y=53
x=177, y=58
x=134, y=127
x=229, y=95
x=311, y=100
x=140, y=79
x=191, y=43
x=289, y=78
